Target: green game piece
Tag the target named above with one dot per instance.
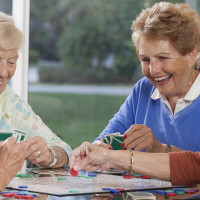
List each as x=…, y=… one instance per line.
x=180, y=192
x=22, y=175
x=60, y=179
x=73, y=191
x=80, y=176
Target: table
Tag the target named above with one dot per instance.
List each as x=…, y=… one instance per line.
x=59, y=184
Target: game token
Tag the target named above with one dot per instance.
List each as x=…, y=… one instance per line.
x=128, y=176
x=189, y=192
x=106, y=189
x=180, y=192
x=161, y=192
x=22, y=175
x=19, y=197
x=28, y=197
x=23, y=186
x=60, y=179
x=172, y=194
x=73, y=191
x=145, y=177
x=73, y=172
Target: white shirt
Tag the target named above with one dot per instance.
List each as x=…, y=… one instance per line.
x=190, y=96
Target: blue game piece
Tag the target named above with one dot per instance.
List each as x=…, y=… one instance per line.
x=178, y=189
x=106, y=189
x=162, y=192
x=23, y=186
x=114, y=191
x=92, y=175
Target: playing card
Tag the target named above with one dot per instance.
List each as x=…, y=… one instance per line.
x=5, y=134
x=20, y=135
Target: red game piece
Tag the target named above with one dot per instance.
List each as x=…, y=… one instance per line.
x=189, y=192
x=145, y=177
x=28, y=197
x=171, y=194
x=128, y=176
x=73, y=172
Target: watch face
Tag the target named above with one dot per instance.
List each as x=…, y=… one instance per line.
x=168, y=148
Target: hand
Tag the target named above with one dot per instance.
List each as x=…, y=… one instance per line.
x=100, y=143
x=38, y=152
x=89, y=157
x=140, y=137
x=12, y=157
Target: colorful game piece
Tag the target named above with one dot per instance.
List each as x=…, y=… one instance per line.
x=73, y=172
x=161, y=192
x=28, y=197
x=180, y=192
x=106, y=189
x=23, y=186
x=128, y=176
x=73, y=191
x=61, y=179
x=172, y=194
x=189, y=192
x=145, y=177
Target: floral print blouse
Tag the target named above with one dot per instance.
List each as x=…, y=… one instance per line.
x=15, y=113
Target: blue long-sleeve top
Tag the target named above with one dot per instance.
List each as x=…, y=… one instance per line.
x=181, y=129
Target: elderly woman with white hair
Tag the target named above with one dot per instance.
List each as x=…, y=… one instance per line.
x=43, y=147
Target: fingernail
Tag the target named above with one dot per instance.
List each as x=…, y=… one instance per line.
x=110, y=148
x=122, y=145
x=124, y=137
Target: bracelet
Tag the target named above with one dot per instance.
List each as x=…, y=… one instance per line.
x=131, y=162
x=55, y=157
x=168, y=148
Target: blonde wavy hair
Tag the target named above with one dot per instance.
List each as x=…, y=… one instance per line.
x=177, y=23
x=10, y=36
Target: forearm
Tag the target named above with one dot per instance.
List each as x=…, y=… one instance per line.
x=144, y=163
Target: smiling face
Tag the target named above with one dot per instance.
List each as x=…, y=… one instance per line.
x=170, y=72
x=8, y=61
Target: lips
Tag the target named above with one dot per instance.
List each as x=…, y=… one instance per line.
x=163, y=79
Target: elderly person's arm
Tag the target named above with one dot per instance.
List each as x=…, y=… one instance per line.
x=20, y=116
x=12, y=156
x=90, y=157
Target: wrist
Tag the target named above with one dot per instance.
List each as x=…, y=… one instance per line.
x=54, y=157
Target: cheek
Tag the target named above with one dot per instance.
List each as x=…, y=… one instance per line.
x=145, y=70
x=12, y=71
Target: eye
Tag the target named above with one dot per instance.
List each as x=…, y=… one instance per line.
x=12, y=61
x=162, y=58
x=146, y=60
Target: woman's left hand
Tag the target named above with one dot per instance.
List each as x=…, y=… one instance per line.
x=38, y=152
x=140, y=137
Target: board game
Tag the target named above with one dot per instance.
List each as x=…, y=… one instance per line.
x=63, y=184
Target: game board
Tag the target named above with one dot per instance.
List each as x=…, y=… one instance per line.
x=65, y=185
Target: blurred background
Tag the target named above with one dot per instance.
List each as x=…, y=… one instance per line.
x=82, y=63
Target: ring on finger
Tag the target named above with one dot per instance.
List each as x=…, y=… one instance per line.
x=38, y=153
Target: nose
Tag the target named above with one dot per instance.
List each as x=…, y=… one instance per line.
x=3, y=69
x=154, y=68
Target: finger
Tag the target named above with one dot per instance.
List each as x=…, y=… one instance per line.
x=142, y=132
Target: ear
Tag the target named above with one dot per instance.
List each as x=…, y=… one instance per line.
x=192, y=56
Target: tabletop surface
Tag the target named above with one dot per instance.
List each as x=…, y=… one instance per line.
x=59, y=184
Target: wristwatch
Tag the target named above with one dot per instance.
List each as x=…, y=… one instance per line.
x=55, y=157
x=168, y=148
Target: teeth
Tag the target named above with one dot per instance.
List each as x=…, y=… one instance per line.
x=161, y=78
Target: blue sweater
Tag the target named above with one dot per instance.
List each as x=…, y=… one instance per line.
x=181, y=129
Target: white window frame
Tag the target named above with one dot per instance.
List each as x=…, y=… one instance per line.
x=21, y=15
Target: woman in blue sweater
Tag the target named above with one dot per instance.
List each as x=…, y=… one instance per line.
x=161, y=114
